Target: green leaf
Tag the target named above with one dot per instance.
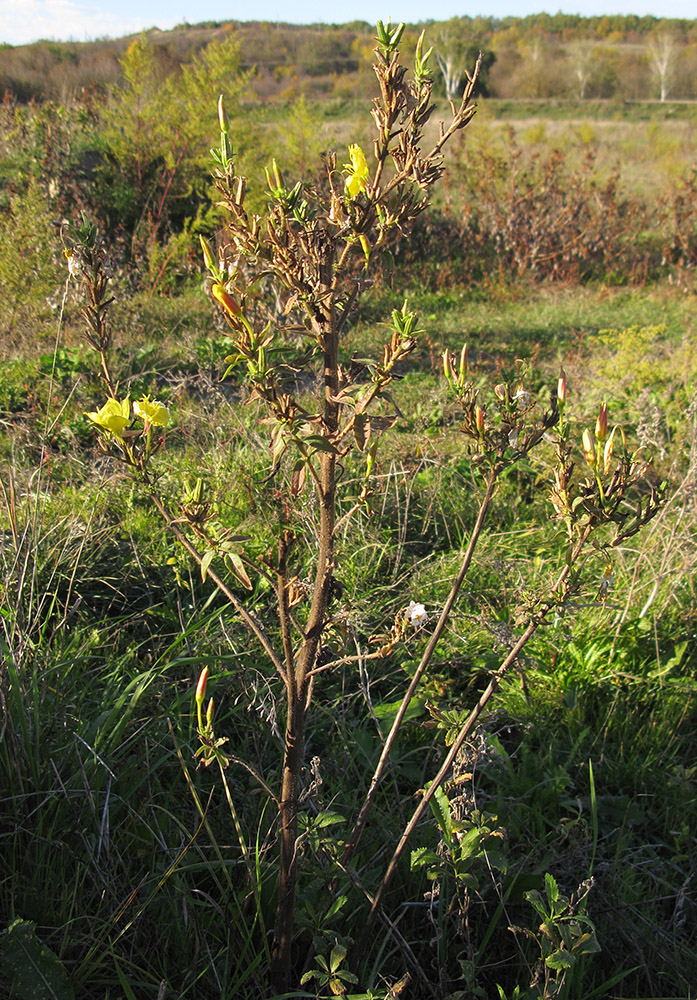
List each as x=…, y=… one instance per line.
x=320, y=443
x=440, y=807
x=205, y=563
x=32, y=969
x=468, y=879
x=424, y=856
x=328, y=818
x=551, y=888
x=336, y=956
x=587, y=944
x=559, y=960
x=335, y=907
x=535, y=899
x=387, y=710
x=469, y=844
x=237, y=567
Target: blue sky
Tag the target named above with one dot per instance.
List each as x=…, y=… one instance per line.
x=28, y=20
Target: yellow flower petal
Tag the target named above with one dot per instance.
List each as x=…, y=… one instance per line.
x=358, y=171
x=113, y=416
x=151, y=411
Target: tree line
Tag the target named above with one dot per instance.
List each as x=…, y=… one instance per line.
x=541, y=56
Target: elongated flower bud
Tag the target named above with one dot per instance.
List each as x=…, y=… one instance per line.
x=207, y=253
x=479, y=419
x=201, y=686
x=561, y=388
x=447, y=367
x=601, y=423
x=463, y=364
x=226, y=300
x=607, y=453
x=607, y=579
x=209, y=713
x=589, y=448
x=222, y=114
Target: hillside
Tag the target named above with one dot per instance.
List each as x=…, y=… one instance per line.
x=541, y=56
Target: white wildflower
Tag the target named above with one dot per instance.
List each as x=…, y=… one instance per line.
x=523, y=397
x=416, y=614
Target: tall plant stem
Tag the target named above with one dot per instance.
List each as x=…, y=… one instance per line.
x=299, y=681
x=465, y=731
x=439, y=778
x=425, y=660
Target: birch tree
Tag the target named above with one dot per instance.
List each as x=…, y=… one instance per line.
x=662, y=56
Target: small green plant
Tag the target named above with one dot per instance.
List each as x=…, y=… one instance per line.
x=565, y=935
x=330, y=974
x=470, y=845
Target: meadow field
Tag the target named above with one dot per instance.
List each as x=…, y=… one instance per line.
x=150, y=558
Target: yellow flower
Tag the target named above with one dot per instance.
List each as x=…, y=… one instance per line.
x=358, y=172
x=151, y=412
x=113, y=416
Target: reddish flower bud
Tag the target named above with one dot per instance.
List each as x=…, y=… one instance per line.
x=601, y=423
x=201, y=686
x=479, y=418
x=226, y=300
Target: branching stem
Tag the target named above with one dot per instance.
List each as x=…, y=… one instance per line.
x=425, y=660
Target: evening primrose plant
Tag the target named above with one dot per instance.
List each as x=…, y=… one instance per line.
x=307, y=260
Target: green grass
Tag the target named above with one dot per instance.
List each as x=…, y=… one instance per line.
x=103, y=640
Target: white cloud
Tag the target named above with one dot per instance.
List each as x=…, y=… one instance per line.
x=23, y=21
